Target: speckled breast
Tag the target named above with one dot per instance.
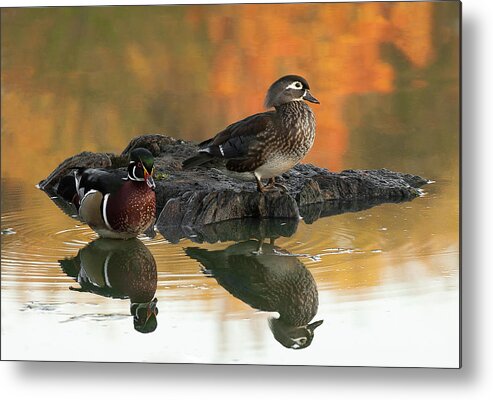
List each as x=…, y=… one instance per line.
x=133, y=208
x=289, y=142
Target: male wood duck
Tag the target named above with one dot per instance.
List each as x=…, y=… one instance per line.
x=268, y=280
x=114, y=207
x=269, y=143
x=120, y=270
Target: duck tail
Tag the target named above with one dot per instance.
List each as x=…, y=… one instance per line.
x=70, y=266
x=67, y=189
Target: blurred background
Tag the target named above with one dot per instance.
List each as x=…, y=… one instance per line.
x=82, y=78
x=387, y=77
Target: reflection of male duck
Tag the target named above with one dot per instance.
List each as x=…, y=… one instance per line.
x=268, y=281
x=118, y=269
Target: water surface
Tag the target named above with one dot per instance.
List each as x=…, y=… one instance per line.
x=387, y=282
x=384, y=280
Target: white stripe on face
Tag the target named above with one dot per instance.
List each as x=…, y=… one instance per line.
x=132, y=176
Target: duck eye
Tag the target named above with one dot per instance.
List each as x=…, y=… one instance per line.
x=295, y=85
x=139, y=164
x=300, y=341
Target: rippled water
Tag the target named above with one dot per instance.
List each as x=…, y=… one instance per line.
x=386, y=280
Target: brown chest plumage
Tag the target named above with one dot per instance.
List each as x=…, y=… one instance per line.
x=286, y=141
x=132, y=209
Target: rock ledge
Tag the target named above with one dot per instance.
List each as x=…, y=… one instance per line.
x=200, y=197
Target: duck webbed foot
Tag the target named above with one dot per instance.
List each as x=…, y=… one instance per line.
x=271, y=186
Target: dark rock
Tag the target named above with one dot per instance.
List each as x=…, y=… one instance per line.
x=204, y=196
x=85, y=159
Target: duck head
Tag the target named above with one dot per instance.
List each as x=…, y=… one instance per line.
x=141, y=166
x=293, y=337
x=145, y=316
x=287, y=89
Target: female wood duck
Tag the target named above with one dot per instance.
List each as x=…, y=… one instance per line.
x=269, y=143
x=268, y=280
x=120, y=270
x=114, y=207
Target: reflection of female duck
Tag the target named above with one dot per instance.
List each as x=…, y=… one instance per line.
x=118, y=269
x=268, y=281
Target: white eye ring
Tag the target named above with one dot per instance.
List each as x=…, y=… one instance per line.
x=295, y=85
x=300, y=341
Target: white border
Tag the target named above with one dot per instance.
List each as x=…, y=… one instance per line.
x=474, y=381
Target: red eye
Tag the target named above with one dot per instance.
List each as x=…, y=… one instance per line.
x=139, y=164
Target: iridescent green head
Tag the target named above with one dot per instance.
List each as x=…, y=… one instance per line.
x=141, y=166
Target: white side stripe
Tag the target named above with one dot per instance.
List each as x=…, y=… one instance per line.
x=221, y=149
x=105, y=217
x=78, y=189
x=105, y=269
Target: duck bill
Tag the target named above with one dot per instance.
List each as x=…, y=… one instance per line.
x=149, y=180
x=149, y=312
x=151, y=309
x=308, y=97
x=315, y=325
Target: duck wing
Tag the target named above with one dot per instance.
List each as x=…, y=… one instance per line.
x=97, y=179
x=75, y=186
x=235, y=143
x=237, y=139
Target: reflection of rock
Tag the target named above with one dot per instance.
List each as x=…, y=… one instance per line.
x=234, y=230
x=269, y=280
x=204, y=196
x=238, y=230
x=119, y=269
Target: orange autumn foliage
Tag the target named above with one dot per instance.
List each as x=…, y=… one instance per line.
x=338, y=52
x=189, y=71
